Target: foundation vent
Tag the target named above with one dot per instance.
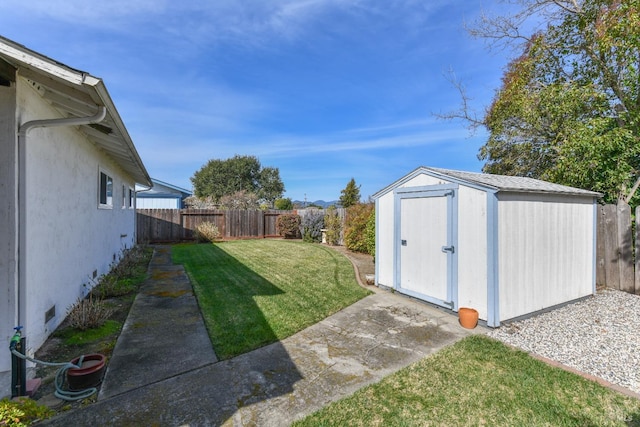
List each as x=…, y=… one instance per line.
x=50, y=314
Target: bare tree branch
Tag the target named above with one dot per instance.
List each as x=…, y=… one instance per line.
x=465, y=112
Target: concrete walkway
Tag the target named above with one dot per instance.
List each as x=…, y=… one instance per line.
x=164, y=334
x=164, y=372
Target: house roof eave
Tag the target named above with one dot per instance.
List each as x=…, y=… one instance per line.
x=75, y=93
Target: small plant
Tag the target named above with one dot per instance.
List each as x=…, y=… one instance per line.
x=110, y=286
x=87, y=313
x=22, y=412
x=288, y=225
x=207, y=232
x=333, y=224
x=125, y=276
x=75, y=337
x=311, y=227
x=130, y=261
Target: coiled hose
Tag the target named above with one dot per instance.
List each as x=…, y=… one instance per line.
x=60, y=393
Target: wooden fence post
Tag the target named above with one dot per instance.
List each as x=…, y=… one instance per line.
x=610, y=224
x=625, y=248
x=637, y=270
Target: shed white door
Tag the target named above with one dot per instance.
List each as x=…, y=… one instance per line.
x=426, y=247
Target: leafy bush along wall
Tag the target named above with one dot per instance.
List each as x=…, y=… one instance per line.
x=355, y=235
x=288, y=225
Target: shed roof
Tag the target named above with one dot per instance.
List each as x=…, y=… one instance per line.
x=500, y=183
x=75, y=93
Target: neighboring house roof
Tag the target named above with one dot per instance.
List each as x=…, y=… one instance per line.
x=161, y=188
x=78, y=94
x=498, y=183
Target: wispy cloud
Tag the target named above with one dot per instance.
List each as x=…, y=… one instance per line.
x=93, y=13
x=279, y=147
x=250, y=23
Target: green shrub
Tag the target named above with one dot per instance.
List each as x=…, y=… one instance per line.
x=110, y=286
x=283, y=204
x=370, y=234
x=311, y=227
x=355, y=227
x=288, y=225
x=206, y=232
x=130, y=261
x=22, y=412
x=333, y=224
x=125, y=277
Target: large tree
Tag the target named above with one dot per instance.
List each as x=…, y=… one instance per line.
x=218, y=178
x=270, y=185
x=350, y=195
x=568, y=109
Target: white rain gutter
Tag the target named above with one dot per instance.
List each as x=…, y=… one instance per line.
x=22, y=191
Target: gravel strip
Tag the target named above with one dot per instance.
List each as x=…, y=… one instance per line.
x=598, y=336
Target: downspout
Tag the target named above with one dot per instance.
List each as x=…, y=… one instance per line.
x=22, y=191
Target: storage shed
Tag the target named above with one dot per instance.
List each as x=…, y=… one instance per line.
x=506, y=246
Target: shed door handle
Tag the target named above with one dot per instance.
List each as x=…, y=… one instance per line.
x=448, y=249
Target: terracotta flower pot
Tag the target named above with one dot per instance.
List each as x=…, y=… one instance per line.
x=89, y=374
x=468, y=317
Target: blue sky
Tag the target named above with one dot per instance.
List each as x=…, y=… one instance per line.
x=324, y=90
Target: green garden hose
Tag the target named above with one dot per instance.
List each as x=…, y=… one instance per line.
x=60, y=393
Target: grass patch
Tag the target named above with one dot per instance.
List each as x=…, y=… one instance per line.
x=72, y=336
x=255, y=292
x=480, y=381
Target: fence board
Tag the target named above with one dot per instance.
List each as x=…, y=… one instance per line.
x=612, y=271
x=625, y=248
x=615, y=266
x=637, y=242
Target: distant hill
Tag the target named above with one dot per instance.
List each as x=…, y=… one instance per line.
x=317, y=203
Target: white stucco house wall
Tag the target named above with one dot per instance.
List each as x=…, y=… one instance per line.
x=68, y=170
x=161, y=196
x=505, y=246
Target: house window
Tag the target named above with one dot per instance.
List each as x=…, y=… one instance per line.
x=131, y=196
x=105, y=197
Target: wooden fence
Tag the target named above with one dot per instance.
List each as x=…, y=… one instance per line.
x=172, y=225
x=615, y=265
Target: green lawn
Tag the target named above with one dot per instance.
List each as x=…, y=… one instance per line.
x=255, y=292
x=480, y=382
